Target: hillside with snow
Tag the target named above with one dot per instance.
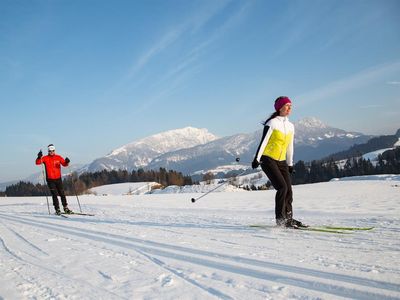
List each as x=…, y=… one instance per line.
x=315, y=140
x=195, y=151
x=126, y=188
x=162, y=246
x=220, y=153
x=140, y=153
x=176, y=150
x=311, y=130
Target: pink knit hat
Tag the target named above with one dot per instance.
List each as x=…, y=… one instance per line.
x=280, y=102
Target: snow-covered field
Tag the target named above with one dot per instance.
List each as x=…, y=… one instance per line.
x=162, y=246
x=126, y=188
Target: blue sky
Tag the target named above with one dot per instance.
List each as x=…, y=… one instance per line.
x=90, y=76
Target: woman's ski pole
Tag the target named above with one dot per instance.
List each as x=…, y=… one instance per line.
x=218, y=186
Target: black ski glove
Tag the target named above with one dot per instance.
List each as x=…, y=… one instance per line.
x=67, y=160
x=291, y=170
x=255, y=164
x=40, y=154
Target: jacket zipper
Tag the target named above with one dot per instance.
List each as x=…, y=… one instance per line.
x=284, y=141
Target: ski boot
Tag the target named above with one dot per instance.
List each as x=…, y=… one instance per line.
x=67, y=210
x=58, y=212
x=295, y=224
x=281, y=222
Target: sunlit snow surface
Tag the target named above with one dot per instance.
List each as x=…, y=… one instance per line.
x=162, y=246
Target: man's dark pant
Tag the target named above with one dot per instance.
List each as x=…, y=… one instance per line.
x=278, y=174
x=56, y=186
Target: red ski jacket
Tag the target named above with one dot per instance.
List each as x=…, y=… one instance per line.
x=52, y=165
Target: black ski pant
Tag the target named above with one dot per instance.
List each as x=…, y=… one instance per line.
x=278, y=174
x=56, y=187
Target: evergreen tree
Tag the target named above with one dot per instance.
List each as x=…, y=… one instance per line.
x=301, y=174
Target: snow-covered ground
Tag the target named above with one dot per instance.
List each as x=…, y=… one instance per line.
x=162, y=246
x=387, y=177
x=141, y=188
x=373, y=156
x=126, y=188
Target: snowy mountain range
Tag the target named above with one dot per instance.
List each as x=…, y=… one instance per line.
x=315, y=140
x=191, y=150
x=311, y=130
x=197, y=151
x=141, y=153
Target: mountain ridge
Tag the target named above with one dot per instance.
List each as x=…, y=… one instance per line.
x=313, y=140
x=140, y=153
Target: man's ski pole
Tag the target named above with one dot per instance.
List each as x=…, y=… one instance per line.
x=77, y=199
x=44, y=183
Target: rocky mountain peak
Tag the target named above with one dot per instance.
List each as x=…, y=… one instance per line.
x=310, y=122
x=170, y=140
x=141, y=152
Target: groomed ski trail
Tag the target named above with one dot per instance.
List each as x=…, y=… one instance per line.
x=170, y=257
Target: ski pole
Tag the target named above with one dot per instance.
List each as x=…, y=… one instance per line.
x=44, y=183
x=77, y=199
x=244, y=162
x=218, y=186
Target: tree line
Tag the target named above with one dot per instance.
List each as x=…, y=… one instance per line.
x=381, y=142
x=325, y=170
x=315, y=171
x=78, y=184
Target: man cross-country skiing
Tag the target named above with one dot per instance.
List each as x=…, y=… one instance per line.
x=53, y=163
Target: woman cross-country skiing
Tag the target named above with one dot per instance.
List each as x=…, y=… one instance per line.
x=275, y=154
x=53, y=163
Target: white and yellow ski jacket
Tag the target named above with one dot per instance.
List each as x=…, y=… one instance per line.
x=277, y=140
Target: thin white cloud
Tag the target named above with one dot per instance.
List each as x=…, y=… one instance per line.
x=371, y=106
x=190, y=63
x=354, y=81
x=169, y=38
x=192, y=56
x=191, y=26
x=393, y=82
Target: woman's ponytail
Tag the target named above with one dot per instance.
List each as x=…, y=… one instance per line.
x=274, y=115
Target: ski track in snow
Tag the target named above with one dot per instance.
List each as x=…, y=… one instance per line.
x=148, y=248
x=26, y=270
x=152, y=250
